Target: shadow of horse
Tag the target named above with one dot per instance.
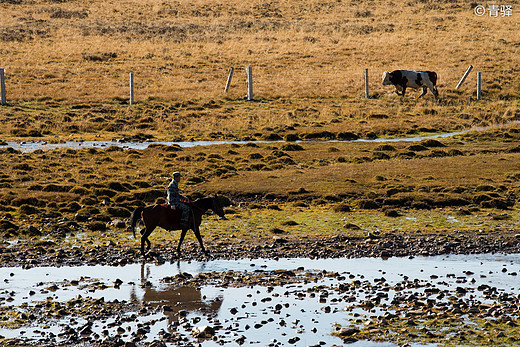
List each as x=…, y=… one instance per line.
x=163, y=216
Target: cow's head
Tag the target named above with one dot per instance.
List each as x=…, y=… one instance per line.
x=386, y=78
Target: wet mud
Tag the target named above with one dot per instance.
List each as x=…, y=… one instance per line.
x=48, y=253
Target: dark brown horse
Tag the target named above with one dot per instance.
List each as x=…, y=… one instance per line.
x=163, y=216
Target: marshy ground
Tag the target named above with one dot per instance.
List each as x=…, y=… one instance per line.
x=70, y=207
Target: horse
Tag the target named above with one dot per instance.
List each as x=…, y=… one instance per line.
x=163, y=216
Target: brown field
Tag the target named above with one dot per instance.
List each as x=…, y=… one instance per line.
x=72, y=51
x=67, y=66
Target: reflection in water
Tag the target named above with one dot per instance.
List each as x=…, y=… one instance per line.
x=310, y=309
x=177, y=301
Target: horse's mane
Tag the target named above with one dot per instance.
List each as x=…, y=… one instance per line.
x=205, y=202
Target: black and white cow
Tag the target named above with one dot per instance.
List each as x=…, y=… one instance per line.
x=403, y=79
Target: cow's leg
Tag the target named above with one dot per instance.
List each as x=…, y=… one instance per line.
x=435, y=92
x=404, y=91
x=424, y=91
x=398, y=88
x=432, y=87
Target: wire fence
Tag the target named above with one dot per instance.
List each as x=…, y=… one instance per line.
x=268, y=82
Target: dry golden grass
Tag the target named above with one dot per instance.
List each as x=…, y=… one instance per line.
x=67, y=66
x=83, y=52
x=321, y=172
x=303, y=118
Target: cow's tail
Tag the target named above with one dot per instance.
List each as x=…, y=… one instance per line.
x=136, y=215
x=433, y=78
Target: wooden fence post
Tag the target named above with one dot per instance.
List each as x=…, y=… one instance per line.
x=464, y=77
x=131, y=88
x=479, y=85
x=249, y=72
x=228, y=83
x=367, y=95
x=2, y=87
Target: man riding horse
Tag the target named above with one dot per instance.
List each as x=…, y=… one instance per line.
x=159, y=215
x=177, y=201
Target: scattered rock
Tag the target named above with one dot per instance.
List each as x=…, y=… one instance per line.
x=118, y=224
x=293, y=340
x=351, y=226
x=204, y=331
x=344, y=332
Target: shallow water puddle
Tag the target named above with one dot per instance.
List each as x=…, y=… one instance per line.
x=31, y=146
x=260, y=301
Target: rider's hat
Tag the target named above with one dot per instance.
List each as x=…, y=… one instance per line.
x=177, y=174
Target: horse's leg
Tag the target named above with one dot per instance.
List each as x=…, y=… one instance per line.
x=196, y=230
x=144, y=238
x=183, y=234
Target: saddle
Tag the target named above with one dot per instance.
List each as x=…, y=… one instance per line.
x=173, y=215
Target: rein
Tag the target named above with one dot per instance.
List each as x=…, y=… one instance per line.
x=190, y=202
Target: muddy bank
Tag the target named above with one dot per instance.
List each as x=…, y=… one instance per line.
x=48, y=253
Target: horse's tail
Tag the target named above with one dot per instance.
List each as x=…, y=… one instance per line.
x=136, y=215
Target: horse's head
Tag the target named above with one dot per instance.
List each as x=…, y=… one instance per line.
x=216, y=207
